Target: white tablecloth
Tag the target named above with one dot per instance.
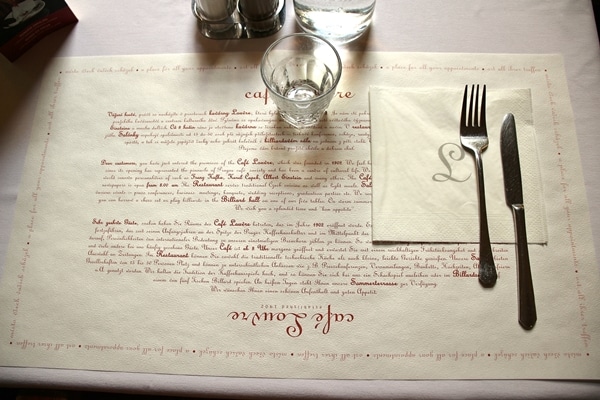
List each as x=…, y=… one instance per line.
x=113, y=27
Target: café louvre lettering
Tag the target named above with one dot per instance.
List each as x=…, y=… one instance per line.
x=323, y=322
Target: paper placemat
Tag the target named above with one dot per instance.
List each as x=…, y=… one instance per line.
x=172, y=223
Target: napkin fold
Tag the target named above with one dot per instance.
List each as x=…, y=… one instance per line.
x=424, y=182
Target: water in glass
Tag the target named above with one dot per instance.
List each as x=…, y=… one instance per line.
x=339, y=21
x=302, y=78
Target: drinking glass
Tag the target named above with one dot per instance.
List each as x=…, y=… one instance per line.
x=339, y=21
x=301, y=72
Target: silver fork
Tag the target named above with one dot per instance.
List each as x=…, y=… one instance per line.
x=473, y=137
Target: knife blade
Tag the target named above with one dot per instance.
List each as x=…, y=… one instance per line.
x=513, y=187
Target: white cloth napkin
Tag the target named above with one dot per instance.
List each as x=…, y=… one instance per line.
x=424, y=183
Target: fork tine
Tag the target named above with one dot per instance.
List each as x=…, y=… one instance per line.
x=470, y=117
x=463, y=114
x=483, y=109
x=475, y=94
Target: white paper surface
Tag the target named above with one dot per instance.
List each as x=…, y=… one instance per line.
x=425, y=183
x=169, y=222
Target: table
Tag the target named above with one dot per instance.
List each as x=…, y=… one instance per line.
x=121, y=28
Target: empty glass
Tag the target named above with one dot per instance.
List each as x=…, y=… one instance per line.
x=301, y=72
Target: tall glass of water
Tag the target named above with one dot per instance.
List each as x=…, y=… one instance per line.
x=339, y=21
x=301, y=72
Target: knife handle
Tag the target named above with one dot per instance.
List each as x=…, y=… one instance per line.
x=526, y=298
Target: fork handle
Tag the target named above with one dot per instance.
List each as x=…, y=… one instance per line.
x=487, y=269
x=527, y=311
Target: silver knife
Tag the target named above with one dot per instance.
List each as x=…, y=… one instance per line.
x=514, y=198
